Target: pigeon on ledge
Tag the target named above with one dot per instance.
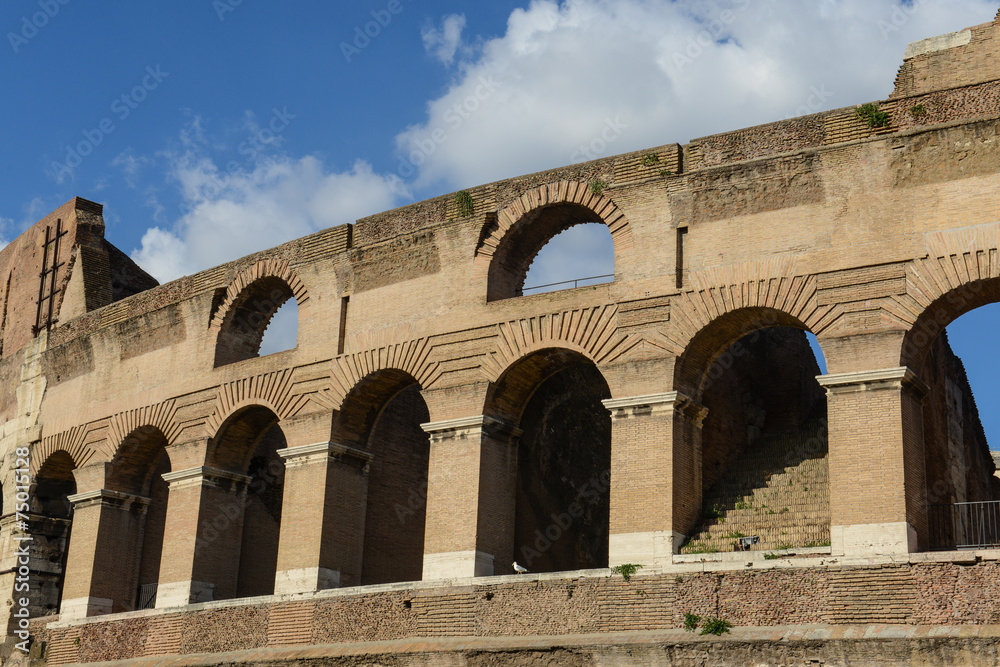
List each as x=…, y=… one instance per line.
x=520, y=569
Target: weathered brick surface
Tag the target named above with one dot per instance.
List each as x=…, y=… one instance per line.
x=874, y=239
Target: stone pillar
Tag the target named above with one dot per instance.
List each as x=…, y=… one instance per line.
x=204, y=527
x=323, y=517
x=877, y=469
x=102, y=566
x=470, y=497
x=655, y=476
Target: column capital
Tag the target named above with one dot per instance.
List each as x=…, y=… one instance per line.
x=465, y=427
x=108, y=498
x=668, y=401
x=321, y=451
x=203, y=475
x=882, y=378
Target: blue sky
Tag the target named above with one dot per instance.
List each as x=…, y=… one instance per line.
x=214, y=128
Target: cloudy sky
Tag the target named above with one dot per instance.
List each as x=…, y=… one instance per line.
x=214, y=128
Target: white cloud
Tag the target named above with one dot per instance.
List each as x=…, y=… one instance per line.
x=444, y=42
x=6, y=231
x=230, y=214
x=660, y=71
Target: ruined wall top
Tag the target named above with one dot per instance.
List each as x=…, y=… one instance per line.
x=58, y=269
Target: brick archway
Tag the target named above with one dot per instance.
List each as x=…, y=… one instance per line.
x=251, y=300
x=510, y=242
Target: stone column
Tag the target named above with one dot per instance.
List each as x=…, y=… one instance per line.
x=102, y=566
x=877, y=469
x=655, y=476
x=470, y=497
x=201, y=547
x=323, y=517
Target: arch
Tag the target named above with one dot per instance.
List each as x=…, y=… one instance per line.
x=960, y=273
x=697, y=363
x=137, y=468
x=251, y=300
x=53, y=483
x=510, y=242
x=382, y=415
x=761, y=463
x=942, y=311
x=561, y=519
x=246, y=446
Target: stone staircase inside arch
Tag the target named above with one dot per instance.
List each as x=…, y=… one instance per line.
x=776, y=490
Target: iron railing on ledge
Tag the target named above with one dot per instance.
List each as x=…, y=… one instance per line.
x=576, y=283
x=965, y=525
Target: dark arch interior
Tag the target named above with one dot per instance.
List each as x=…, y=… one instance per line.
x=397, y=490
x=138, y=469
x=248, y=444
x=764, y=448
x=54, y=483
x=519, y=248
x=564, y=473
x=244, y=325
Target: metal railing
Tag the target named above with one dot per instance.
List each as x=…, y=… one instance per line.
x=147, y=596
x=965, y=525
x=576, y=283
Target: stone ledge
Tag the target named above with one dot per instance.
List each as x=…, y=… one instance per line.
x=790, y=637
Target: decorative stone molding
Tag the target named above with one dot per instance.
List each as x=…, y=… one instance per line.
x=884, y=378
x=110, y=499
x=469, y=427
x=634, y=406
x=202, y=475
x=319, y=451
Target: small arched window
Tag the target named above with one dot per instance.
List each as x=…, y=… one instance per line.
x=249, y=316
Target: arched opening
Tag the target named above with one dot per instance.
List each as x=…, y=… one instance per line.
x=282, y=331
x=520, y=247
x=51, y=527
x=577, y=257
x=243, y=327
x=962, y=488
x=382, y=416
x=247, y=556
x=764, y=471
x=563, y=481
x=138, y=469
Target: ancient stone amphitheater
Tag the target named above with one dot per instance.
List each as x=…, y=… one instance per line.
x=170, y=496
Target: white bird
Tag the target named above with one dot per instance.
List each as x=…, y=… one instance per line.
x=520, y=569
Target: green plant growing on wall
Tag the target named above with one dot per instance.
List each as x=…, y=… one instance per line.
x=650, y=159
x=712, y=512
x=627, y=570
x=918, y=110
x=691, y=621
x=464, y=203
x=872, y=115
x=666, y=172
x=771, y=556
x=715, y=626
x=597, y=186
